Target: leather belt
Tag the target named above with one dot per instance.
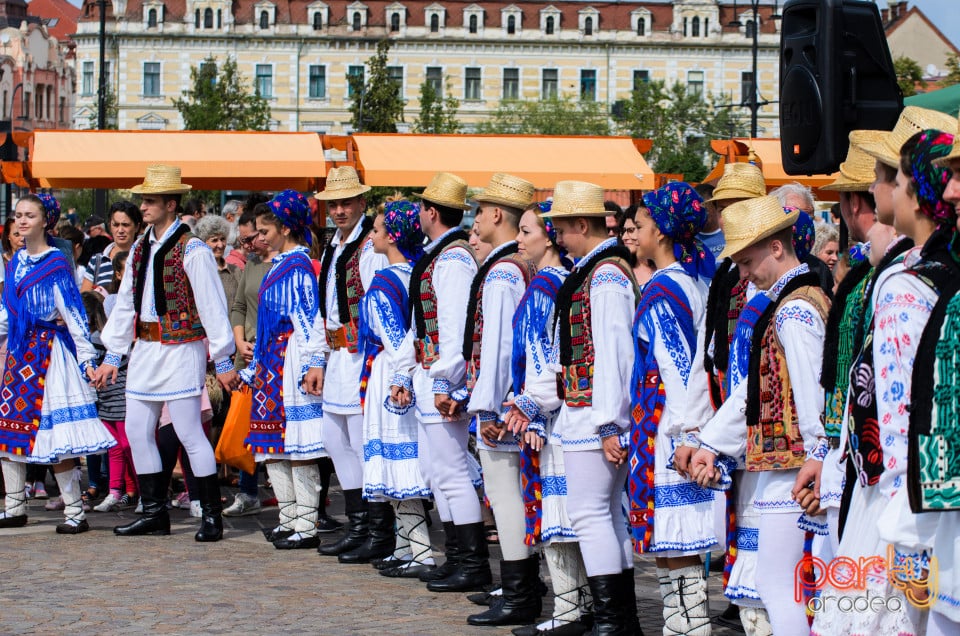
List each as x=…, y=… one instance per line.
x=833, y=442
x=149, y=331
x=337, y=338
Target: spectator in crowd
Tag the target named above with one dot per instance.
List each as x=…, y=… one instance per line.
x=826, y=247
x=126, y=221
x=614, y=221
x=213, y=231
x=94, y=226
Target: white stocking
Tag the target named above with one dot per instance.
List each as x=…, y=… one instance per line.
x=281, y=479
x=755, y=621
x=305, y=479
x=69, y=482
x=565, y=564
x=413, y=522
x=692, y=615
x=14, y=478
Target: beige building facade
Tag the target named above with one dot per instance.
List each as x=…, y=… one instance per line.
x=299, y=54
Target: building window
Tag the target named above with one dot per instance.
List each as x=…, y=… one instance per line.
x=588, y=85
x=208, y=18
x=63, y=109
x=318, y=82
x=588, y=26
x=473, y=24
x=435, y=79
x=471, y=83
x=395, y=73
x=512, y=24
x=219, y=19
x=684, y=27
x=640, y=78
x=746, y=87
x=264, y=83
x=394, y=22
x=151, y=19
x=317, y=20
x=151, y=79
x=87, y=88
x=750, y=28
x=209, y=69
x=695, y=82
x=549, y=84
x=264, y=20
x=706, y=27
x=548, y=27
x=355, y=75
x=434, y=23
x=27, y=95
x=641, y=26
x=356, y=20
x=196, y=19
x=695, y=27
x=511, y=83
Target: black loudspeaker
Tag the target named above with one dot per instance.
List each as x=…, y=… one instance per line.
x=836, y=75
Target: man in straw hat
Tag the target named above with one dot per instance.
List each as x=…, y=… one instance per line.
x=783, y=434
x=168, y=362
x=594, y=310
x=439, y=299
x=348, y=266
x=488, y=347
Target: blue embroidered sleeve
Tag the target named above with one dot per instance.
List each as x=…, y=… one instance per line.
x=441, y=386
x=820, y=451
x=608, y=430
x=486, y=416
x=224, y=365
x=390, y=323
x=318, y=361
x=113, y=359
x=538, y=426
x=194, y=245
x=527, y=406
x=88, y=365
x=402, y=380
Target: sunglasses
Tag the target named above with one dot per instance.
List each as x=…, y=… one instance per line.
x=248, y=240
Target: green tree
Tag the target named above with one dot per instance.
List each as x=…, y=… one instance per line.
x=909, y=74
x=680, y=123
x=438, y=114
x=221, y=99
x=377, y=105
x=953, y=71
x=554, y=116
x=111, y=108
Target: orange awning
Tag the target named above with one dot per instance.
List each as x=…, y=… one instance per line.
x=208, y=160
x=615, y=163
x=768, y=152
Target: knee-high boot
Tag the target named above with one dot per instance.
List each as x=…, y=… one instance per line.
x=211, y=522
x=473, y=571
x=451, y=549
x=153, y=496
x=521, y=595
x=15, y=500
x=75, y=520
x=381, y=539
x=612, y=613
x=357, y=525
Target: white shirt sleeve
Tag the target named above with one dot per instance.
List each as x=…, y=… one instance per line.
x=726, y=432
x=118, y=334
x=454, y=270
x=699, y=407
x=612, y=303
x=801, y=332
x=309, y=335
x=201, y=269
x=79, y=330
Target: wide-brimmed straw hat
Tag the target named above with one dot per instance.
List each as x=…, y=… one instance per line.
x=912, y=120
x=161, y=179
x=576, y=198
x=507, y=190
x=342, y=183
x=954, y=152
x=856, y=172
x=447, y=190
x=740, y=181
x=752, y=220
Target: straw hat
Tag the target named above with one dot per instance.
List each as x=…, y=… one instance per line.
x=954, y=152
x=746, y=222
x=448, y=190
x=161, y=179
x=912, y=120
x=740, y=181
x=576, y=198
x=506, y=189
x=856, y=173
x=342, y=183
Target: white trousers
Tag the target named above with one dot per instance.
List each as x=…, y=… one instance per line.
x=501, y=481
x=445, y=464
x=595, y=507
x=343, y=440
x=779, y=550
x=142, y=418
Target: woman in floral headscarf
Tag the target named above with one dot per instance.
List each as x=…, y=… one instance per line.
x=671, y=516
x=391, y=472
x=285, y=421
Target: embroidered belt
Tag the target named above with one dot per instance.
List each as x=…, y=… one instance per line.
x=149, y=331
x=577, y=384
x=344, y=337
x=427, y=353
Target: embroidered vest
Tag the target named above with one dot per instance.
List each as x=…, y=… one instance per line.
x=423, y=299
x=727, y=298
x=473, y=330
x=349, y=283
x=774, y=441
x=172, y=293
x=577, y=354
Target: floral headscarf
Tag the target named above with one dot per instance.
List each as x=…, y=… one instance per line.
x=679, y=213
x=51, y=209
x=931, y=180
x=293, y=210
x=804, y=235
x=402, y=222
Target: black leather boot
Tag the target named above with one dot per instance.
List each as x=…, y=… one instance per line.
x=630, y=602
x=473, y=571
x=357, y=525
x=521, y=595
x=451, y=552
x=211, y=521
x=382, y=538
x=155, y=519
x=612, y=614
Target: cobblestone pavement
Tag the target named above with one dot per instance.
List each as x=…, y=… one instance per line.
x=97, y=583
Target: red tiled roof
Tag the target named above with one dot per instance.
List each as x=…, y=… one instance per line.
x=65, y=13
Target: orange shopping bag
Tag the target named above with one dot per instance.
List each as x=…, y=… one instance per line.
x=231, y=448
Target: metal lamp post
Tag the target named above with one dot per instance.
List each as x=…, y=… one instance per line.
x=752, y=103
